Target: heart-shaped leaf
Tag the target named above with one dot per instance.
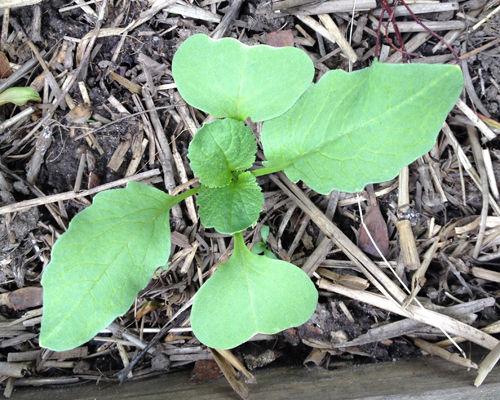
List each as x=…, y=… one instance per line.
x=221, y=148
x=251, y=294
x=231, y=208
x=108, y=255
x=228, y=79
x=351, y=129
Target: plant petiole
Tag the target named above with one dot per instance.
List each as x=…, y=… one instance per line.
x=266, y=170
x=185, y=195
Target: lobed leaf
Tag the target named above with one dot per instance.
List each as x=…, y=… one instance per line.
x=251, y=294
x=108, y=255
x=228, y=79
x=220, y=148
x=231, y=208
x=351, y=129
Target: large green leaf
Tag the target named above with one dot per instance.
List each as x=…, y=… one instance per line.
x=351, y=129
x=231, y=208
x=108, y=255
x=228, y=79
x=221, y=148
x=251, y=294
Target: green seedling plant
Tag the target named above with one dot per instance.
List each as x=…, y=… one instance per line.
x=343, y=132
x=260, y=247
x=19, y=96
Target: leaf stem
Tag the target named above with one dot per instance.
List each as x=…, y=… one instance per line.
x=186, y=194
x=266, y=170
x=238, y=237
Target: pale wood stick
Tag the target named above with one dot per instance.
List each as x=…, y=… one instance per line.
x=333, y=6
x=433, y=25
x=24, y=205
x=487, y=365
x=15, y=370
x=184, y=179
x=86, y=8
x=353, y=282
x=16, y=118
x=165, y=154
x=432, y=318
x=477, y=152
x=5, y=29
x=402, y=11
x=235, y=363
x=341, y=40
x=440, y=352
x=327, y=34
x=450, y=37
x=486, y=274
x=123, y=356
x=147, y=128
x=227, y=369
x=318, y=256
x=84, y=92
x=119, y=106
x=491, y=174
x=284, y=4
x=182, y=109
x=435, y=177
x=413, y=44
x=409, y=326
x=409, y=250
x=138, y=147
x=479, y=49
x=490, y=329
x=487, y=132
x=308, y=37
x=404, y=191
x=191, y=11
x=468, y=166
x=379, y=193
x=442, y=59
x=418, y=279
x=475, y=27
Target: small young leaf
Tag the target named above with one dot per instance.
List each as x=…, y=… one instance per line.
x=251, y=294
x=228, y=79
x=220, y=148
x=264, y=232
x=19, y=96
x=270, y=254
x=355, y=128
x=108, y=255
x=231, y=208
x=258, y=248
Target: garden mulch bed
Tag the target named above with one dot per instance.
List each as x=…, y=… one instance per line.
x=443, y=233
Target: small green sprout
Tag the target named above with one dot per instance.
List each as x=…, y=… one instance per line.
x=19, y=96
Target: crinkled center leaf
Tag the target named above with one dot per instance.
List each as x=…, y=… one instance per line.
x=221, y=148
x=231, y=208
